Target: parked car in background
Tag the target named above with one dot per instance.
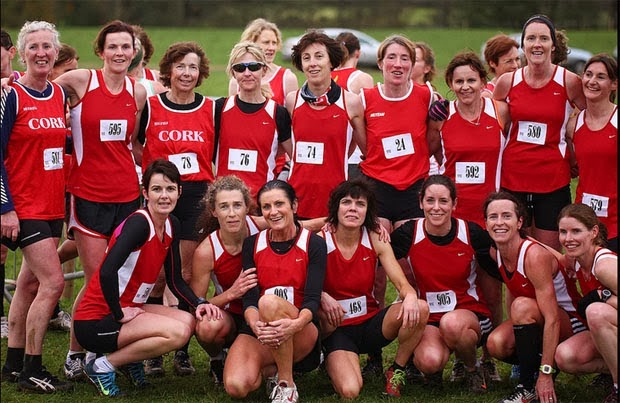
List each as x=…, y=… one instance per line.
x=368, y=45
x=576, y=60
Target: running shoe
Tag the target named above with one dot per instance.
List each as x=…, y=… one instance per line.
x=521, y=395
x=413, y=373
x=61, y=322
x=4, y=325
x=9, y=375
x=135, y=373
x=434, y=381
x=105, y=382
x=373, y=368
x=182, y=364
x=42, y=382
x=217, y=372
x=270, y=383
x=395, y=379
x=154, y=366
x=475, y=381
x=490, y=371
x=458, y=371
x=74, y=366
x=282, y=393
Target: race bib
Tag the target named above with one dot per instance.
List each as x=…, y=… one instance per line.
x=143, y=293
x=307, y=152
x=286, y=293
x=186, y=163
x=397, y=146
x=52, y=159
x=470, y=172
x=599, y=204
x=112, y=130
x=354, y=306
x=532, y=132
x=242, y=160
x=444, y=301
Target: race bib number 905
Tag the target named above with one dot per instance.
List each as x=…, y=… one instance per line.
x=444, y=301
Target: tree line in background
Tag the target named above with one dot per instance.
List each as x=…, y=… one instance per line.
x=567, y=14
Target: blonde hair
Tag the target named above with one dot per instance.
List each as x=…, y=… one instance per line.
x=256, y=51
x=256, y=27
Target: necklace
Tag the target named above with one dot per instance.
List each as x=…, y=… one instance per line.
x=478, y=114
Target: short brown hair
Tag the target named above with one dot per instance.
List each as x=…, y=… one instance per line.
x=335, y=52
x=178, y=51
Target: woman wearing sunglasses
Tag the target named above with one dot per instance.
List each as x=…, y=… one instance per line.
x=252, y=128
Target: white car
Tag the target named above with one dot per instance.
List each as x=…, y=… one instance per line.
x=575, y=62
x=368, y=45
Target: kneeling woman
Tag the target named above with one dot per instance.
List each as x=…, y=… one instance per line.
x=281, y=310
x=350, y=314
x=112, y=317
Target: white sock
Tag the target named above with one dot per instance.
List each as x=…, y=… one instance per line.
x=90, y=356
x=72, y=352
x=102, y=364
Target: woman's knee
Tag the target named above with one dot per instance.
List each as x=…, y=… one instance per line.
x=348, y=390
x=522, y=308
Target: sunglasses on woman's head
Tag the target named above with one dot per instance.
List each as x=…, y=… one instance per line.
x=253, y=66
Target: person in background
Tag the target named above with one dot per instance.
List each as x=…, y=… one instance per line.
x=501, y=54
x=67, y=251
x=543, y=312
x=32, y=190
x=281, y=310
x=583, y=237
x=105, y=110
x=350, y=78
x=113, y=319
x=166, y=119
x=541, y=97
x=319, y=160
x=137, y=72
x=148, y=51
x=350, y=317
x=7, y=53
x=594, y=137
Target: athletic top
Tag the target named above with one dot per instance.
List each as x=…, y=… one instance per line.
x=344, y=76
x=276, y=83
x=321, y=140
x=592, y=283
x=351, y=281
x=182, y=134
x=520, y=286
x=226, y=267
x=597, y=157
x=535, y=159
x=446, y=271
x=295, y=274
x=396, y=147
x=472, y=153
x=249, y=154
x=490, y=87
x=148, y=74
x=102, y=124
x=130, y=268
x=33, y=143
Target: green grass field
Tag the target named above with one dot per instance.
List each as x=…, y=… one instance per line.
x=218, y=43
x=313, y=387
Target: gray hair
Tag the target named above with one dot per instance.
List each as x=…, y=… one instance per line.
x=35, y=26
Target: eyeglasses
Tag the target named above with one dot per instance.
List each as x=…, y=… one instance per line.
x=253, y=66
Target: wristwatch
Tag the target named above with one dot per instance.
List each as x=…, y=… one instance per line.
x=547, y=369
x=605, y=295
